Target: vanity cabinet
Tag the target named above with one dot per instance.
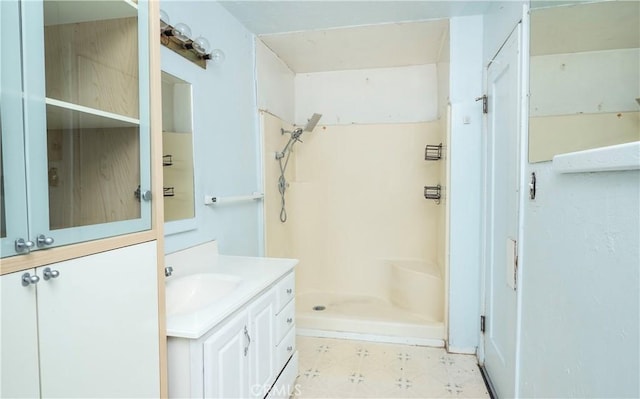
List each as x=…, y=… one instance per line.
x=239, y=357
x=251, y=354
x=75, y=122
x=82, y=328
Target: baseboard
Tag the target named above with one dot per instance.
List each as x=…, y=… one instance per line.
x=462, y=350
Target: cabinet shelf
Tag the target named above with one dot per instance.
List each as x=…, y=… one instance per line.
x=63, y=115
x=69, y=12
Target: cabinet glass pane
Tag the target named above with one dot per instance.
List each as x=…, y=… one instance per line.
x=93, y=175
x=92, y=106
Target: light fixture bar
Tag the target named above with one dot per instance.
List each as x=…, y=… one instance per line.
x=178, y=39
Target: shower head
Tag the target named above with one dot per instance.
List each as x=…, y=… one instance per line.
x=311, y=124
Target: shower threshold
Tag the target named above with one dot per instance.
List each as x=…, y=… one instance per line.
x=364, y=318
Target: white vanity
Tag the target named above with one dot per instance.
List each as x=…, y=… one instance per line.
x=230, y=325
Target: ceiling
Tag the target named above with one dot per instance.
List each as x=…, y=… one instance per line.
x=271, y=16
x=317, y=36
x=363, y=47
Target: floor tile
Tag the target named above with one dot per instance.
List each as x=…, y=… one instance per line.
x=334, y=368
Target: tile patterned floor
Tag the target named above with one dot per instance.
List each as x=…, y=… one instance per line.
x=333, y=368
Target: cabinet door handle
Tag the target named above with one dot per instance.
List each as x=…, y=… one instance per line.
x=28, y=279
x=289, y=348
x=23, y=246
x=289, y=290
x=290, y=320
x=248, y=337
x=42, y=240
x=50, y=273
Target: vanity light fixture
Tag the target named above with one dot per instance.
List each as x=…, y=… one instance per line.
x=178, y=38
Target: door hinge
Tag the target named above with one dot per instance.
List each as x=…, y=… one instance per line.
x=482, y=323
x=485, y=103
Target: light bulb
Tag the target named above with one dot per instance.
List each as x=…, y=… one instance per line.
x=201, y=45
x=217, y=56
x=164, y=20
x=181, y=32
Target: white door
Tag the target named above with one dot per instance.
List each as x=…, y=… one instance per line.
x=98, y=325
x=262, y=355
x=226, y=371
x=19, y=375
x=501, y=215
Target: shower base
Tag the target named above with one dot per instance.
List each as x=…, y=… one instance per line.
x=364, y=318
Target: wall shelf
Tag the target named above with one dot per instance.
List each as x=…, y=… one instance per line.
x=604, y=159
x=63, y=115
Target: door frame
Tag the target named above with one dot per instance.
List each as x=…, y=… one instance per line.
x=524, y=24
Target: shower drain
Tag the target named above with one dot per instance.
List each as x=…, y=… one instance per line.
x=319, y=308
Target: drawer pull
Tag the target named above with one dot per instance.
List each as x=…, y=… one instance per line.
x=289, y=290
x=290, y=320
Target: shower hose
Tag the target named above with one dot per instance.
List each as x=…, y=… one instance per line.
x=282, y=181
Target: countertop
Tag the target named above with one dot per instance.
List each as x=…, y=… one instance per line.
x=257, y=274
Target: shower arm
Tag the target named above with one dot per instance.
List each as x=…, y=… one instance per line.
x=295, y=132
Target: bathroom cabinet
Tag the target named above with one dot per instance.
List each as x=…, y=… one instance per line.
x=238, y=357
x=250, y=354
x=82, y=328
x=75, y=118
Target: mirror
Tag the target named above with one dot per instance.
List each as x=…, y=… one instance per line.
x=584, y=80
x=177, y=146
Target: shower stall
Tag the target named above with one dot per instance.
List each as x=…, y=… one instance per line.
x=348, y=198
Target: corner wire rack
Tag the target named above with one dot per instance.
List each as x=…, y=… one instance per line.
x=169, y=191
x=433, y=152
x=433, y=193
x=167, y=160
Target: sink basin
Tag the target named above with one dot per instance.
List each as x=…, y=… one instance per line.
x=197, y=291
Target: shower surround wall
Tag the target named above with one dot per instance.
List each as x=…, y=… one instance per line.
x=357, y=218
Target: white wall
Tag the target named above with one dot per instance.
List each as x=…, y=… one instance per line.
x=464, y=194
x=383, y=95
x=499, y=21
x=224, y=129
x=275, y=81
x=580, y=280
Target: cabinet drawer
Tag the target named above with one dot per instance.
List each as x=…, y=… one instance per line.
x=285, y=320
x=285, y=291
x=285, y=349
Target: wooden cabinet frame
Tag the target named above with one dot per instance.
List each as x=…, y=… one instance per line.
x=58, y=254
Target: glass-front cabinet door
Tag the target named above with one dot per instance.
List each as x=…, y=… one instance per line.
x=85, y=68
x=13, y=192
